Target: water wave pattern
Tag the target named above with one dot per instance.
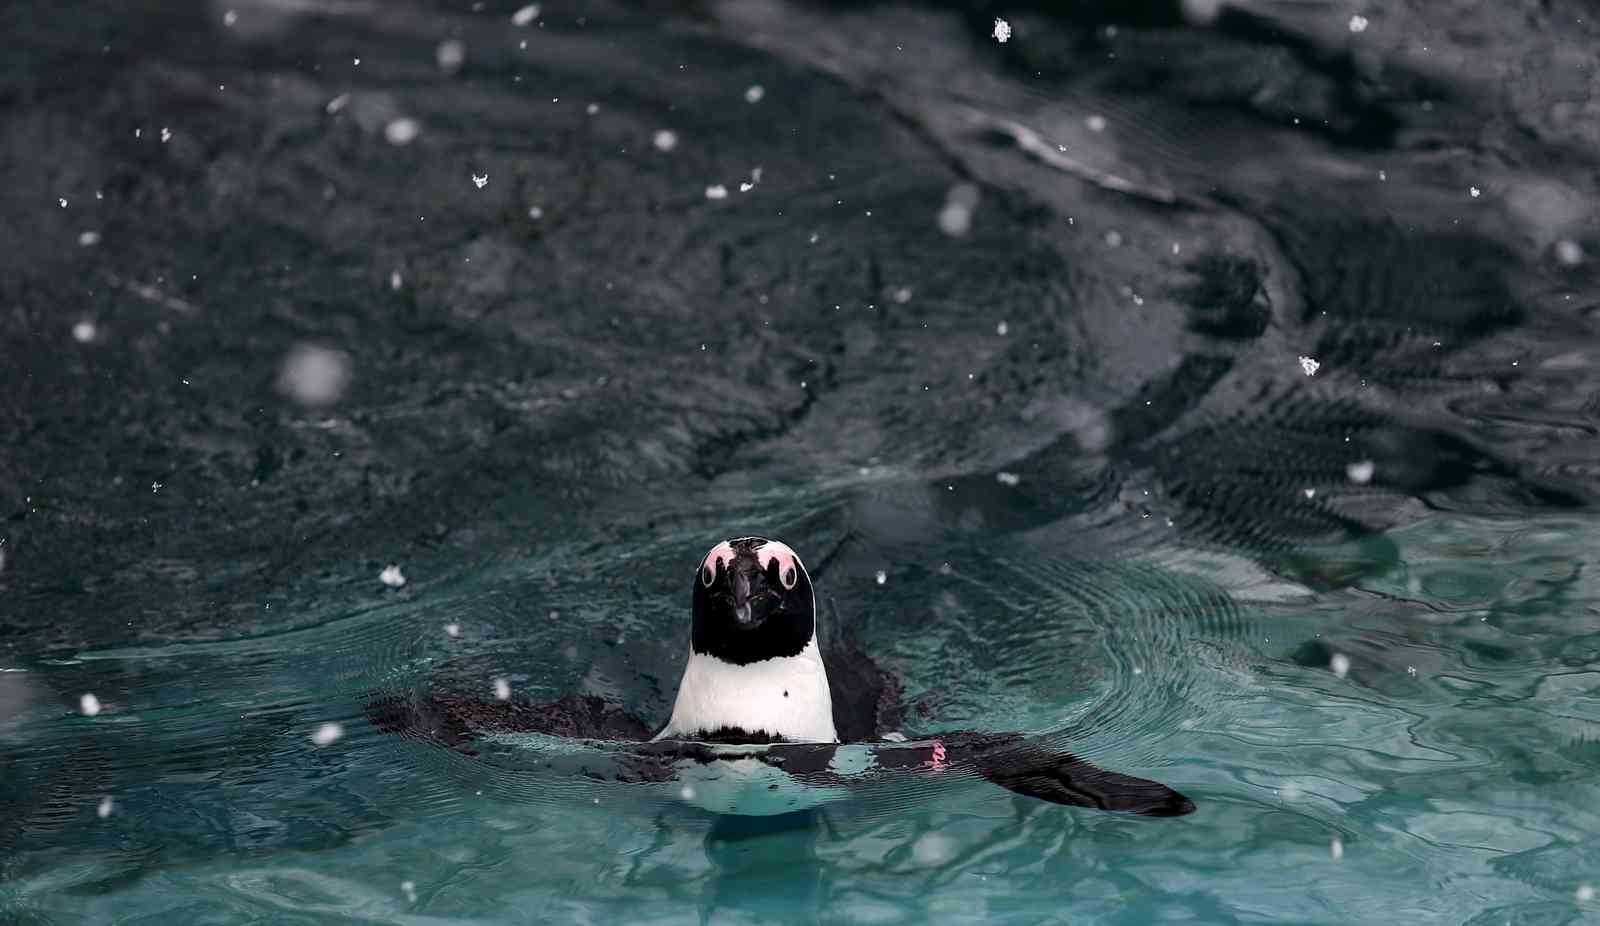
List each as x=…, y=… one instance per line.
x=1017, y=328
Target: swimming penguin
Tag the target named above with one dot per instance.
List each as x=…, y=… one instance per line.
x=765, y=721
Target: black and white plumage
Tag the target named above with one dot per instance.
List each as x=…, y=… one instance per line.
x=768, y=721
x=754, y=670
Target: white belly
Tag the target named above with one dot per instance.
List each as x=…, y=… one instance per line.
x=785, y=697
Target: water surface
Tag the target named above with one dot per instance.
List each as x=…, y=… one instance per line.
x=1212, y=389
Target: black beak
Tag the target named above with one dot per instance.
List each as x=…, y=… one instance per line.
x=752, y=600
x=742, y=594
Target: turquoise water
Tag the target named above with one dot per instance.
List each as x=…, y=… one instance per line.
x=1447, y=777
x=1207, y=389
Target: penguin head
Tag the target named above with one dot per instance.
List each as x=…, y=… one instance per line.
x=752, y=602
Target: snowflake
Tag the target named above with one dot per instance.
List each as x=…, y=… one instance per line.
x=1309, y=365
x=402, y=131
x=481, y=181
x=1002, y=31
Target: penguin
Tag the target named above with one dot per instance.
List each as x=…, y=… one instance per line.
x=766, y=721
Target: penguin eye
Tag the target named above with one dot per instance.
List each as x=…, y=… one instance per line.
x=789, y=578
x=706, y=575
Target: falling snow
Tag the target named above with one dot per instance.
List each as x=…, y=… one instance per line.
x=392, y=576
x=106, y=806
x=1201, y=12
x=314, y=375
x=665, y=140
x=1358, y=23
x=1309, y=366
x=451, y=55
x=882, y=577
x=89, y=239
x=452, y=630
x=89, y=705
x=1340, y=664
x=955, y=219
x=409, y=888
x=1585, y=893
x=1007, y=479
x=1361, y=473
x=1569, y=252
x=83, y=332
x=480, y=182
x=932, y=849
x=1336, y=849
x=716, y=191
x=327, y=734
x=502, y=689
x=402, y=131
x=754, y=93
x=525, y=15
x=1096, y=123
x=1474, y=191
x=1002, y=31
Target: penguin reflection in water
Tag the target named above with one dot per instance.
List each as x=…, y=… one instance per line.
x=765, y=722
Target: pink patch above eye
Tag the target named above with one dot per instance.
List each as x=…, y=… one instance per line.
x=776, y=551
x=708, y=566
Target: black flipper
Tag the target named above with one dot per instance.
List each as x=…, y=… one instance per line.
x=455, y=720
x=1010, y=760
x=1034, y=769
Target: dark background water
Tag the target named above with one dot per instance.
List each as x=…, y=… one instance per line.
x=1018, y=326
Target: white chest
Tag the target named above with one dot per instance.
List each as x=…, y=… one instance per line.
x=785, y=697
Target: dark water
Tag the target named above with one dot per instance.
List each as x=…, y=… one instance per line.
x=1012, y=341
